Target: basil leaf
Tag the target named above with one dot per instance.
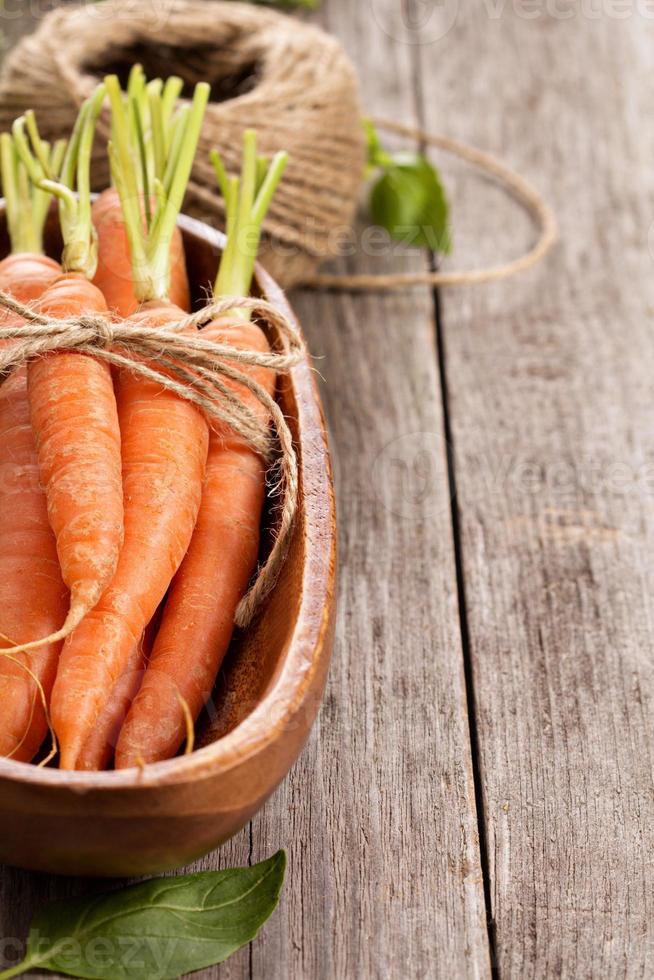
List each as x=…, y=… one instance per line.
x=157, y=930
x=409, y=201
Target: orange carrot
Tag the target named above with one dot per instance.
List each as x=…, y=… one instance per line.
x=113, y=276
x=33, y=598
x=154, y=128
x=198, y=618
x=72, y=401
x=164, y=450
x=75, y=422
x=99, y=749
x=27, y=275
x=98, y=752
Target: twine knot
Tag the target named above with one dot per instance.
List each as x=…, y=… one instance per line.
x=206, y=372
x=100, y=330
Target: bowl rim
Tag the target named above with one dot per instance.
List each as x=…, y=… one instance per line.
x=286, y=694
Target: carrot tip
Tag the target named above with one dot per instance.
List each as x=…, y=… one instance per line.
x=189, y=722
x=68, y=757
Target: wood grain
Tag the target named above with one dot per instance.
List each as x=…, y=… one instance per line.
x=552, y=417
x=379, y=816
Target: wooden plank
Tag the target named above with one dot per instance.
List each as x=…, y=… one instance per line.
x=378, y=818
x=550, y=400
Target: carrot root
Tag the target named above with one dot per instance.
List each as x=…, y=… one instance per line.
x=76, y=614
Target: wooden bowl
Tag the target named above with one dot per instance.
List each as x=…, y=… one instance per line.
x=135, y=822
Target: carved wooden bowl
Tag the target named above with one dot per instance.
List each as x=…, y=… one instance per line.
x=135, y=822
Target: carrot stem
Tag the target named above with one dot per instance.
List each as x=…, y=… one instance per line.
x=166, y=220
x=26, y=205
x=72, y=186
x=16, y=971
x=171, y=92
x=164, y=159
x=150, y=107
x=157, y=128
x=247, y=200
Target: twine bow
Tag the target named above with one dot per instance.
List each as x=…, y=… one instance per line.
x=198, y=370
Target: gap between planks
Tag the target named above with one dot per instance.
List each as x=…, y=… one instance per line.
x=457, y=543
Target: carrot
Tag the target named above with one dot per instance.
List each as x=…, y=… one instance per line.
x=164, y=449
x=99, y=749
x=154, y=127
x=72, y=402
x=198, y=619
x=27, y=276
x=33, y=598
x=114, y=273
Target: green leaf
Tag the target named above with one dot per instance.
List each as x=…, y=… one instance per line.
x=158, y=930
x=377, y=155
x=409, y=201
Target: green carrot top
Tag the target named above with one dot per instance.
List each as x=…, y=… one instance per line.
x=155, y=122
x=69, y=182
x=26, y=205
x=247, y=199
x=152, y=148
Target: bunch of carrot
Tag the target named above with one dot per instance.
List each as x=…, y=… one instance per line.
x=129, y=523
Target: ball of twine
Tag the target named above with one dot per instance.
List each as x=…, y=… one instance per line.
x=291, y=82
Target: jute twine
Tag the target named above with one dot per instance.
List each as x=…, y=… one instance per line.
x=291, y=82
x=519, y=188
x=201, y=371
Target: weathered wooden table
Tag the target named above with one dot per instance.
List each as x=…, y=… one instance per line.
x=477, y=795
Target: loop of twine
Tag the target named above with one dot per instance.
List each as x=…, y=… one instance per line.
x=519, y=188
x=303, y=97
x=192, y=368
x=287, y=79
